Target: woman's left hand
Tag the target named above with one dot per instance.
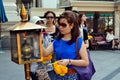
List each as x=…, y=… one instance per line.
x=63, y=62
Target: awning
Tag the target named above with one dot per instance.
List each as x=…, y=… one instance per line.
x=101, y=15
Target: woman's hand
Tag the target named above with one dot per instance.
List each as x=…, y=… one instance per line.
x=63, y=62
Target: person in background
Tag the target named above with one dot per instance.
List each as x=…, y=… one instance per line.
x=37, y=20
x=52, y=31
x=83, y=28
x=51, y=28
x=34, y=66
x=90, y=31
x=90, y=37
x=64, y=46
x=111, y=38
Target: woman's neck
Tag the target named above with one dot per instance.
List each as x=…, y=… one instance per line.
x=50, y=28
x=49, y=25
x=82, y=23
x=67, y=37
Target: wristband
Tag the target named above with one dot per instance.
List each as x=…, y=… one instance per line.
x=69, y=61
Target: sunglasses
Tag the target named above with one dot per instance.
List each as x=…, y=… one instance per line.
x=64, y=25
x=49, y=17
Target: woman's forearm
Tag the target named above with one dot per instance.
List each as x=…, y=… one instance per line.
x=79, y=62
x=47, y=51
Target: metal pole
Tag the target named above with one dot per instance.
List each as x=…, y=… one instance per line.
x=27, y=71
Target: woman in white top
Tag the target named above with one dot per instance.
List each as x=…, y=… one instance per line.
x=110, y=38
x=83, y=28
x=36, y=65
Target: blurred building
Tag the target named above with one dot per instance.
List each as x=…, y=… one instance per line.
x=107, y=10
x=33, y=7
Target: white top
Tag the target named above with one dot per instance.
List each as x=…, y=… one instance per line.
x=81, y=31
x=109, y=37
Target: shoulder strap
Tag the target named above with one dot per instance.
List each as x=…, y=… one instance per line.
x=77, y=52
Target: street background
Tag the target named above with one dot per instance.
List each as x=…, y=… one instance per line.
x=106, y=62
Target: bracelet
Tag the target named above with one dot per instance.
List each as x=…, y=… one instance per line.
x=69, y=61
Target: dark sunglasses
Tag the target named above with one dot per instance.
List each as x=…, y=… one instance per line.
x=50, y=17
x=63, y=25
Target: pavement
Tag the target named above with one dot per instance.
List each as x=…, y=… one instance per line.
x=106, y=62
x=8, y=69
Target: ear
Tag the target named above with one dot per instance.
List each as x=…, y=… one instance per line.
x=71, y=25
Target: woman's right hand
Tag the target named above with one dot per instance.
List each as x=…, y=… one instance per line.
x=63, y=62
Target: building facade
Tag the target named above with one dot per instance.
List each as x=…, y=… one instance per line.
x=108, y=10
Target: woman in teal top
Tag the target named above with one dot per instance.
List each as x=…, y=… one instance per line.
x=65, y=46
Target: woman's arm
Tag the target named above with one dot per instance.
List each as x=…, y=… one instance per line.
x=84, y=61
x=86, y=38
x=86, y=43
x=107, y=36
x=47, y=51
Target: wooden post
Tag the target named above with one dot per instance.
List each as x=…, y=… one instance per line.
x=27, y=71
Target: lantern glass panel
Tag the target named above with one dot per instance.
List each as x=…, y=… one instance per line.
x=30, y=45
x=14, y=47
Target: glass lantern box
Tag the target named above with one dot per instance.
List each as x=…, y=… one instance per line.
x=26, y=46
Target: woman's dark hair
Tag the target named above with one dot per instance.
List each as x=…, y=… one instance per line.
x=71, y=19
x=80, y=16
x=109, y=30
x=46, y=13
x=75, y=12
